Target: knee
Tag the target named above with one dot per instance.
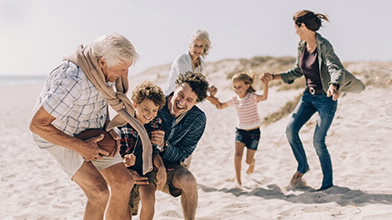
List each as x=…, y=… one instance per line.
x=188, y=182
x=123, y=183
x=98, y=194
x=238, y=154
x=319, y=141
x=148, y=197
x=291, y=131
x=249, y=161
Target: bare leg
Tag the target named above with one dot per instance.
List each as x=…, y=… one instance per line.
x=184, y=180
x=95, y=188
x=120, y=182
x=147, y=196
x=239, y=150
x=250, y=160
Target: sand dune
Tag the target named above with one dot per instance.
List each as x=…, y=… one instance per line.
x=33, y=187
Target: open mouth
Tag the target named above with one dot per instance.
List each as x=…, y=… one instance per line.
x=147, y=118
x=180, y=107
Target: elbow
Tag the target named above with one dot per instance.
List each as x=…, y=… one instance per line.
x=33, y=127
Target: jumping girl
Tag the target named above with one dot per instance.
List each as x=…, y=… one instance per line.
x=248, y=124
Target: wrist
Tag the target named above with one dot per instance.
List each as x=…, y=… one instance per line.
x=273, y=76
x=335, y=85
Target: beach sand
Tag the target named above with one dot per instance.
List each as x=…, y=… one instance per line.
x=360, y=143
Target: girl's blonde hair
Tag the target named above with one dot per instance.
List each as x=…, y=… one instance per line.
x=246, y=78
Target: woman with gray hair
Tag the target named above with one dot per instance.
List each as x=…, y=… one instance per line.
x=192, y=60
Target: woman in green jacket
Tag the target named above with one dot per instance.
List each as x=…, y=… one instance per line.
x=325, y=78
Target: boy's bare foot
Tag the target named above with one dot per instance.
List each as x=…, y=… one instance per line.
x=251, y=168
x=296, y=180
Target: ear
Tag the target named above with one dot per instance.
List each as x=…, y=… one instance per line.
x=102, y=62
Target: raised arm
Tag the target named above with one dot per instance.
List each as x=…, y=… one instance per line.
x=265, y=90
x=214, y=100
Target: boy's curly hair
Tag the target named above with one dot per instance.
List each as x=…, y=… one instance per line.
x=148, y=90
x=196, y=81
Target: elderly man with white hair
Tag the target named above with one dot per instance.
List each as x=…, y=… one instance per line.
x=75, y=98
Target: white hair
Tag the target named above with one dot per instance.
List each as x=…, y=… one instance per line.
x=115, y=49
x=201, y=35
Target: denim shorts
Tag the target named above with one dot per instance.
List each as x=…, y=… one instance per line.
x=250, y=138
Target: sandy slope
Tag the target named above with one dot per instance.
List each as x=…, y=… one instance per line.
x=33, y=187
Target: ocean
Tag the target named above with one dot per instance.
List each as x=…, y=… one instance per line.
x=21, y=80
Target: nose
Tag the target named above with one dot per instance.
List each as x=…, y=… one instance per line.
x=125, y=73
x=180, y=101
x=148, y=114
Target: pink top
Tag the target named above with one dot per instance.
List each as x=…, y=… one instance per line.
x=248, y=116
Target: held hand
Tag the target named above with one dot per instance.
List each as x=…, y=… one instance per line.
x=138, y=179
x=90, y=149
x=266, y=77
x=212, y=90
x=333, y=91
x=117, y=138
x=161, y=178
x=158, y=137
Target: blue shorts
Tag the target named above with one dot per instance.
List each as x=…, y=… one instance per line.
x=250, y=138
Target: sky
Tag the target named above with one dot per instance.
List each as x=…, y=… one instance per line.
x=36, y=35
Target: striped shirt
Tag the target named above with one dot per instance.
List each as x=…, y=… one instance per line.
x=70, y=97
x=181, y=138
x=248, y=116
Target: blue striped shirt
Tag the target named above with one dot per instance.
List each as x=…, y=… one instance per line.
x=182, y=138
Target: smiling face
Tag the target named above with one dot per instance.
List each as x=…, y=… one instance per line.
x=240, y=88
x=112, y=73
x=146, y=111
x=183, y=99
x=197, y=49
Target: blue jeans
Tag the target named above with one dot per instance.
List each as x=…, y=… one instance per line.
x=308, y=105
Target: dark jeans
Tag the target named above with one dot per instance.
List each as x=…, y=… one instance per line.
x=308, y=105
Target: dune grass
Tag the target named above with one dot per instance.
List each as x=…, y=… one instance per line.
x=282, y=112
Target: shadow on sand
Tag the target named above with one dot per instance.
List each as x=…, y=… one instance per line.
x=341, y=195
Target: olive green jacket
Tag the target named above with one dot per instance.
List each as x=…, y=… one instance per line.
x=332, y=70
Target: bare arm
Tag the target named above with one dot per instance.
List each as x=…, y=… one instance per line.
x=41, y=124
x=215, y=101
x=219, y=105
x=265, y=91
